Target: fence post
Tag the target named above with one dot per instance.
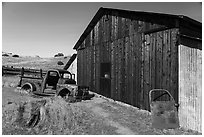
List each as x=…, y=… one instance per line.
x=2, y=71
x=41, y=75
x=22, y=72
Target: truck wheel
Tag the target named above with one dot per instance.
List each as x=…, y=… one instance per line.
x=64, y=92
x=28, y=87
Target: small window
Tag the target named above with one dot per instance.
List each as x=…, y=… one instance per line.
x=53, y=74
x=66, y=75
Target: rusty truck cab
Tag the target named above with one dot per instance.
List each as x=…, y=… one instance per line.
x=55, y=77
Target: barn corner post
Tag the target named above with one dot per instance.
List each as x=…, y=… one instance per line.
x=190, y=83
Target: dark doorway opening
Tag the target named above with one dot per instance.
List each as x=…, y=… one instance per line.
x=105, y=79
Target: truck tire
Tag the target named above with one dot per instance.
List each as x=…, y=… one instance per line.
x=63, y=92
x=28, y=87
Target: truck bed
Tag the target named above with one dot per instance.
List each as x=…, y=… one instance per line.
x=35, y=80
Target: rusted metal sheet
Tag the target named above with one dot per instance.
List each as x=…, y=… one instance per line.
x=163, y=109
x=190, y=88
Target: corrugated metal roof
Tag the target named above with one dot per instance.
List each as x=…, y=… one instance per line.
x=158, y=18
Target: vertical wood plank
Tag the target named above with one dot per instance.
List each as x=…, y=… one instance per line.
x=120, y=34
x=116, y=69
x=116, y=28
x=174, y=64
x=169, y=60
x=112, y=28
x=123, y=27
x=109, y=28
x=154, y=61
x=127, y=24
x=146, y=73
x=137, y=69
x=112, y=70
x=78, y=67
x=134, y=82
x=190, y=92
x=94, y=61
x=131, y=69
x=119, y=68
x=123, y=71
x=142, y=103
x=126, y=69
x=164, y=63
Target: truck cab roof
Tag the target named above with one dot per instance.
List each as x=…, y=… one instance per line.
x=59, y=70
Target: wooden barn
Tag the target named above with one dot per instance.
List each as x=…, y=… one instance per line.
x=124, y=54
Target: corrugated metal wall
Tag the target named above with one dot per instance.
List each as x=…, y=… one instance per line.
x=136, y=67
x=190, y=88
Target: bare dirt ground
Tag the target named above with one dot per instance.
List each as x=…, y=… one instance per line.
x=98, y=116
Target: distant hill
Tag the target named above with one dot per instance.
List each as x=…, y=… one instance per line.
x=34, y=62
x=6, y=54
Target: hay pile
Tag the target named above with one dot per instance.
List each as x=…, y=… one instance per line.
x=45, y=116
x=56, y=117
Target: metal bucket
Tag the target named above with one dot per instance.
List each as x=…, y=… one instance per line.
x=163, y=109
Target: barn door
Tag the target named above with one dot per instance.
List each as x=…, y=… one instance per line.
x=105, y=79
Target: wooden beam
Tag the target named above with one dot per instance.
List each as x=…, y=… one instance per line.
x=155, y=30
x=190, y=41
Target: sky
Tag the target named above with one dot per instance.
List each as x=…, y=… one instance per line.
x=47, y=28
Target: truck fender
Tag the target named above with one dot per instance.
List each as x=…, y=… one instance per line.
x=29, y=87
x=63, y=92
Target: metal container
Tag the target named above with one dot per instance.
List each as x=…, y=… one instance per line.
x=163, y=109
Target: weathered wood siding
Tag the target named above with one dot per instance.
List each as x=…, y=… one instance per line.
x=159, y=63
x=190, y=88
x=139, y=61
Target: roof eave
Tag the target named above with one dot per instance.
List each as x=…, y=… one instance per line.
x=175, y=20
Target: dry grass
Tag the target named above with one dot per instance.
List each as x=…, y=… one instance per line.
x=56, y=118
x=10, y=81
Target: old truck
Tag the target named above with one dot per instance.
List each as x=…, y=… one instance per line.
x=58, y=82
x=55, y=82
